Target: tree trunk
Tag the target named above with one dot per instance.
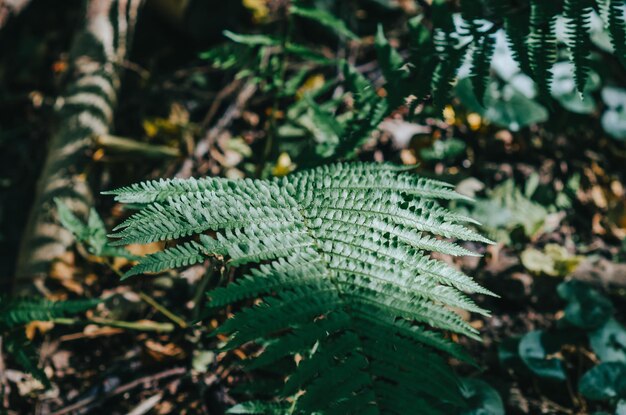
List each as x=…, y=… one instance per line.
x=11, y=7
x=85, y=111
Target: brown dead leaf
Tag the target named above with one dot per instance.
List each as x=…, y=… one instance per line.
x=160, y=352
x=38, y=326
x=598, y=197
x=63, y=269
x=596, y=224
x=139, y=250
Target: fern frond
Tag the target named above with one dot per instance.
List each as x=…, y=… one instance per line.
x=578, y=15
x=517, y=29
x=369, y=111
x=617, y=28
x=392, y=65
x=542, y=44
x=25, y=355
x=444, y=76
x=20, y=311
x=481, y=64
x=338, y=261
x=15, y=312
x=449, y=58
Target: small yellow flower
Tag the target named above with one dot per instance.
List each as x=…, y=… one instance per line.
x=312, y=83
x=259, y=9
x=449, y=115
x=283, y=166
x=474, y=120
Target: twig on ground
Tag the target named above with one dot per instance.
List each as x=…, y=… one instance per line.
x=129, y=325
x=146, y=405
x=233, y=112
x=217, y=102
x=96, y=399
x=163, y=310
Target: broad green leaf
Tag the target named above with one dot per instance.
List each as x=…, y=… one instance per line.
x=614, y=118
x=605, y=381
x=609, y=342
x=534, y=349
x=586, y=307
x=482, y=398
x=504, y=106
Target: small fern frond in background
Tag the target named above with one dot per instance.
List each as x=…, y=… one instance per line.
x=481, y=64
x=17, y=312
x=337, y=259
x=20, y=311
x=578, y=15
x=617, y=28
x=449, y=57
x=542, y=44
x=517, y=29
x=368, y=112
x=483, y=46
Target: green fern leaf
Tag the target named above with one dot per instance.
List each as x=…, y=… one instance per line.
x=339, y=258
x=15, y=312
x=449, y=56
x=617, y=28
x=578, y=14
x=25, y=355
x=542, y=45
x=444, y=76
x=517, y=25
x=392, y=66
x=20, y=311
x=481, y=64
x=369, y=111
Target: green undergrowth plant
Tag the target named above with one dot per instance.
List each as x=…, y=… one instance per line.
x=337, y=288
x=15, y=313
x=586, y=352
x=331, y=104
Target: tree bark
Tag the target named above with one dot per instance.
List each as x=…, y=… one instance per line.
x=10, y=7
x=85, y=111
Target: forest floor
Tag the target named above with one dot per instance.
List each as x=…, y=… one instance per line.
x=167, y=94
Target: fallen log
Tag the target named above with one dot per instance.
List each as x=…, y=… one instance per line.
x=85, y=111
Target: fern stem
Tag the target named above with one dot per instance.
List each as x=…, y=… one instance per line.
x=163, y=310
x=129, y=325
x=201, y=293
